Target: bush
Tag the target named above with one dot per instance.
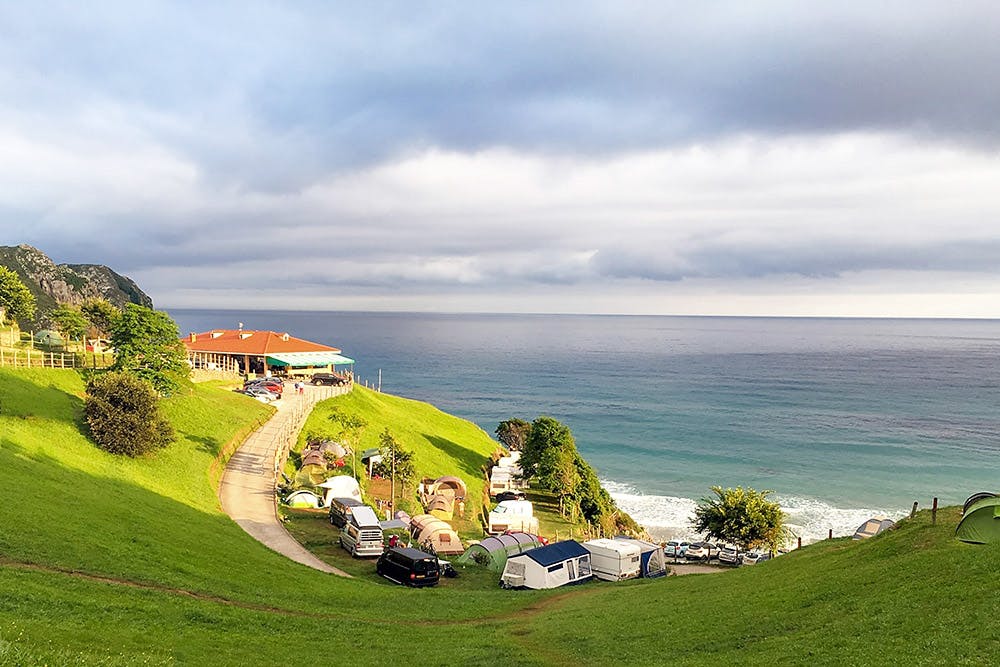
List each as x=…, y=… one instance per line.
x=123, y=414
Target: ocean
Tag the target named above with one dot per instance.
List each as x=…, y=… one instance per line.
x=842, y=419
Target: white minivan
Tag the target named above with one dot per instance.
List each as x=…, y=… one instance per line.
x=362, y=534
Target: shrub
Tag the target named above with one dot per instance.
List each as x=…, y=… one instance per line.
x=123, y=414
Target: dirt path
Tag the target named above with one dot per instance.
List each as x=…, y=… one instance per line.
x=248, y=483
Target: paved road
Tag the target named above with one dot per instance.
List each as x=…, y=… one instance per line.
x=247, y=487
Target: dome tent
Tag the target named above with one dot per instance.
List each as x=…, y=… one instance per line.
x=873, y=527
x=980, y=523
x=436, y=535
x=493, y=551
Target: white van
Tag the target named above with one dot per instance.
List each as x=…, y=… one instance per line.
x=362, y=534
x=613, y=560
x=512, y=515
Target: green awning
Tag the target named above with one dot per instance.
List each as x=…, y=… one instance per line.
x=308, y=359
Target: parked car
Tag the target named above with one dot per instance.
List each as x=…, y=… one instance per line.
x=754, y=557
x=332, y=379
x=702, y=551
x=729, y=555
x=271, y=384
x=410, y=567
x=260, y=393
x=676, y=549
x=510, y=495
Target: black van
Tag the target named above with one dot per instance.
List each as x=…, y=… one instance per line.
x=340, y=509
x=411, y=567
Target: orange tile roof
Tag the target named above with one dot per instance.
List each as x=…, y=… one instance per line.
x=245, y=341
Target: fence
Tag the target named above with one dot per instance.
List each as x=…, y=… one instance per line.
x=288, y=431
x=37, y=359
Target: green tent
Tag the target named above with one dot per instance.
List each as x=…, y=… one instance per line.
x=980, y=523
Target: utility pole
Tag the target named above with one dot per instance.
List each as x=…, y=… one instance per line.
x=392, y=481
x=380, y=380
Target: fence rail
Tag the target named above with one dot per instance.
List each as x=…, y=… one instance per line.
x=37, y=359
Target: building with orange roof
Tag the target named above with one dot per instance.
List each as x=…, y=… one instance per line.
x=261, y=353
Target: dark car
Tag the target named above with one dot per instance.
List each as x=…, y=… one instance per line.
x=510, y=495
x=329, y=378
x=410, y=567
x=340, y=510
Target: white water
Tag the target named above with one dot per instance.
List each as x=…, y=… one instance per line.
x=668, y=517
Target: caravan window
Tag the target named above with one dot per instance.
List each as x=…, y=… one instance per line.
x=584, y=566
x=556, y=567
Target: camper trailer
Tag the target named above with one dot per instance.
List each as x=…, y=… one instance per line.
x=547, y=567
x=512, y=515
x=612, y=560
x=653, y=562
x=362, y=534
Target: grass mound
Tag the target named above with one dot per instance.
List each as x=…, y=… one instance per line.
x=105, y=561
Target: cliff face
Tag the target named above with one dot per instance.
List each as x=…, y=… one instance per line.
x=53, y=283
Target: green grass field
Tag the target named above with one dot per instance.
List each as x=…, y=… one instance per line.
x=106, y=561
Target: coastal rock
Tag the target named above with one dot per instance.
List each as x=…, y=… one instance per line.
x=54, y=284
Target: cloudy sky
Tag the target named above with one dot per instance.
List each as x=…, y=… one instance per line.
x=715, y=158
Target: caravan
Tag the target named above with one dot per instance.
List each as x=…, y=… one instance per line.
x=613, y=560
x=547, y=567
x=512, y=515
x=362, y=534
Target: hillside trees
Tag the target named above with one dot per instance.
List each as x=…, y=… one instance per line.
x=123, y=415
x=69, y=321
x=147, y=343
x=512, y=433
x=101, y=314
x=16, y=300
x=744, y=517
x=550, y=458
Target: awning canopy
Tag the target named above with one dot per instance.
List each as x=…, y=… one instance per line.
x=308, y=359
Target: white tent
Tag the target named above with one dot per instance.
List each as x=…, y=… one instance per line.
x=341, y=486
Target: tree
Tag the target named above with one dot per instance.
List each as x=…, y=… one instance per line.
x=123, y=414
x=16, y=301
x=395, y=459
x=148, y=344
x=744, y=517
x=541, y=459
x=512, y=433
x=69, y=321
x=352, y=427
x=101, y=314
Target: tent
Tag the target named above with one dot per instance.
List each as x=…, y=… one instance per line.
x=654, y=563
x=494, y=551
x=435, y=535
x=981, y=522
x=449, y=485
x=49, y=338
x=548, y=567
x=873, y=527
x=313, y=458
x=303, y=498
x=341, y=486
x=976, y=497
x=441, y=506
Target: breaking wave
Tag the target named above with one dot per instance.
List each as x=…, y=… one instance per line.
x=667, y=517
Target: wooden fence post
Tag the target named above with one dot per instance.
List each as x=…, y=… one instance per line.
x=830, y=536
x=913, y=511
x=800, y=542
x=934, y=512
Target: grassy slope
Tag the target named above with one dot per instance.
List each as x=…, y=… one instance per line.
x=912, y=595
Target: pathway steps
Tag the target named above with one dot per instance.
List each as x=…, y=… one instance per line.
x=248, y=483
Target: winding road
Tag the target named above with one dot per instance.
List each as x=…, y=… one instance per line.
x=248, y=483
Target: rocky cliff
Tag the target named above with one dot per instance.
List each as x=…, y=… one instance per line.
x=53, y=283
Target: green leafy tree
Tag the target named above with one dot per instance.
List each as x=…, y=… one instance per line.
x=391, y=451
x=744, y=517
x=69, y=321
x=16, y=301
x=541, y=459
x=123, y=415
x=148, y=344
x=101, y=314
x=351, y=428
x=512, y=433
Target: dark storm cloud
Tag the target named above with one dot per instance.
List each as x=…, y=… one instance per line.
x=274, y=98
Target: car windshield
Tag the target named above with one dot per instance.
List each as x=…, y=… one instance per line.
x=500, y=509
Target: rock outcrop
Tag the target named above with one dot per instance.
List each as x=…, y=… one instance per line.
x=54, y=284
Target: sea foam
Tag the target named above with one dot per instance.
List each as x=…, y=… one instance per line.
x=667, y=517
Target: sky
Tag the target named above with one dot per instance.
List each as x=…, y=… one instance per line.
x=724, y=158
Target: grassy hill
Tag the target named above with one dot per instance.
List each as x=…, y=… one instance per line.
x=111, y=562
